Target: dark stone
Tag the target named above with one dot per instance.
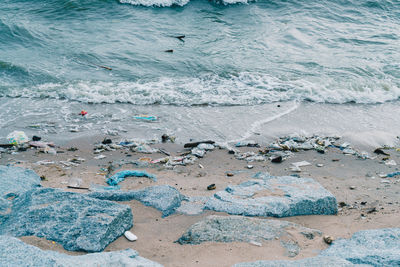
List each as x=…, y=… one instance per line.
x=36, y=138
x=211, y=187
x=277, y=159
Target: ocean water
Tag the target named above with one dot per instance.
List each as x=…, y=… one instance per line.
x=245, y=69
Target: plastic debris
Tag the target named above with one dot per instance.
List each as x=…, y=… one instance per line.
x=248, y=143
x=17, y=138
x=198, y=152
x=75, y=182
x=204, y=146
x=83, y=113
x=195, y=144
x=393, y=174
x=391, y=163
x=120, y=176
x=146, y=118
x=301, y=163
x=130, y=236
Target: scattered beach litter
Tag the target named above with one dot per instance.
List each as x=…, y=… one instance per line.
x=149, y=118
x=120, y=176
x=17, y=138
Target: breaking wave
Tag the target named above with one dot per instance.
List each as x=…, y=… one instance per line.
x=213, y=90
x=167, y=3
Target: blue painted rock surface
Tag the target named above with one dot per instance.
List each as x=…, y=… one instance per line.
x=14, y=252
x=244, y=229
x=274, y=196
x=13, y=182
x=380, y=247
x=162, y=197
x=76, y=221
x=309, y=262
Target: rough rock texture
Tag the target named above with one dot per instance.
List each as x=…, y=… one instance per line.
x=13, y=182
x=14, y=252
x=162, y=197
x=243, y=229
x=274, y=196
x=309, y=262
x=76, y=221
x=193, y=205
x=379, y=247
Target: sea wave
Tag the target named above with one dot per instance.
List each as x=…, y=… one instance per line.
x=214, y=90
x=168, y=3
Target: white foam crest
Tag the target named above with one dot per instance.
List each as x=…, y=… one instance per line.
x=167, y=3
x=159, y=3
x=243, y=89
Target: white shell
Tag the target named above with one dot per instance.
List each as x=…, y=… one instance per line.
x=130, y=236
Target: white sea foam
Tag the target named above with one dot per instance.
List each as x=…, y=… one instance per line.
x=159, y=3
x=243, y=89
x=167, y=3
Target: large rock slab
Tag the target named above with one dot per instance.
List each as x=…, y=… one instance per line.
x=380, y=247
x=14, y=252
x=243, y=229
x=13, y=182
x=76, y=221
x=274, y=196
x=309, y=262
x=162, y=197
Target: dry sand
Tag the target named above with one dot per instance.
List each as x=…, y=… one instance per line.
x=346, y=176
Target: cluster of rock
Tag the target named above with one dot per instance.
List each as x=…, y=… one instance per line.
x=76, y=221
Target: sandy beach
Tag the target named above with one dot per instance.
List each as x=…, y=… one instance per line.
x=365, y=200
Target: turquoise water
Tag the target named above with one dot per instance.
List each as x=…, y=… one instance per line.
x=235, y=53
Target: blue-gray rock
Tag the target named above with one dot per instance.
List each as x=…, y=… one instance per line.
x=193, y=205
x=380, y=247
x=76, y=221
x=14, y=252
x=274, y=196
x=244, y=229
x=309, y=262
x=13, y=182
x=162, y=197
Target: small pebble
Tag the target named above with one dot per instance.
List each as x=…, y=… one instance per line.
x=130, y=236
x=229, y=174
x=320, y=165
x=277, y=159
x=352, y=187
x=250, y=167
x=328, y=239
x=211, y=187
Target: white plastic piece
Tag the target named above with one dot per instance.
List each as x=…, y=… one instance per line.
x=130, y=236
x=301, y=163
